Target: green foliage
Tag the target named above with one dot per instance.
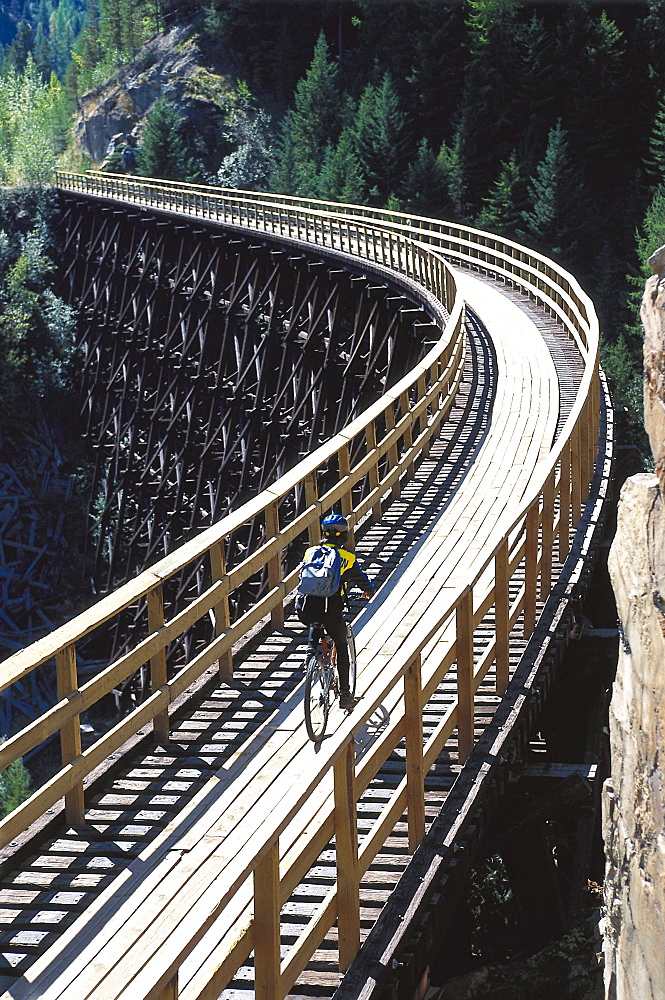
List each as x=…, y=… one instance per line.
x=14, y=786
x=340, y=177
x=315, y=119
x=655, y=160
x=503, y=208
x=558, y=219
x=426, y=186
x=383, y=139
x=252, y=162
x=37, y=329
x=29, y=136
x=163, y=152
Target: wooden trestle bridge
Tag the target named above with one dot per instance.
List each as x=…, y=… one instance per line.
x=253, y=361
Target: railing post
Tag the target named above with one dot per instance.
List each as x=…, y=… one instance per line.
x=170, y=991
x=393, y=454
x=344, y=465
x=576, y=475
x=530, y=569
x=547, y=537
x=502, y=613
x=221, y=609
x=275, y=563
x=158, y=670
x=70, y=734
x=373, y=475
x=311, y=499
x=415, y=771
x=408, y=432
x=585, y=452
x=346, y=848
x=267, y=910
x=564, y=503
x=464, y=656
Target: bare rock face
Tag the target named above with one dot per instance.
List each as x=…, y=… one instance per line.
x=653, y=319
x=634, y=796
x=168, y=67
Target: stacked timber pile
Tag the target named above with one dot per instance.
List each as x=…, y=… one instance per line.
x=634, y=799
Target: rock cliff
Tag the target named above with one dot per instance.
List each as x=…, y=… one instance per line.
x=634, y=795
x=169, y=66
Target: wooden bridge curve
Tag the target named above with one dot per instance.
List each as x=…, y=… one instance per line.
x=478, y=542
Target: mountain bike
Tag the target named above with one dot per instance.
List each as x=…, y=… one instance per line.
x=322, y=683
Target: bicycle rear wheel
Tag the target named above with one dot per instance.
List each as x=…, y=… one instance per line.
x=317, y=703
x=351, y=642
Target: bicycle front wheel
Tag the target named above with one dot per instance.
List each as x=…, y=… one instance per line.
x=317, y=704
x=351, y=642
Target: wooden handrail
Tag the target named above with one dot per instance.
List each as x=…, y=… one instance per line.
x=399, y=428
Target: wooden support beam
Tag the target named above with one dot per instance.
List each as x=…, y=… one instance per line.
x=70, y=734
x=346, y=848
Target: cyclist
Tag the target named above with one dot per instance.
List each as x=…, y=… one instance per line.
x=324, y=614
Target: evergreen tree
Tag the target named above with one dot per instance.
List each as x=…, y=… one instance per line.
x=42, y=54
x=16, y=55
x=502, y=209
x=383, y=139
x=450, y=163
x=426, y=184
x=655, y=161
x=283, y=179
x=491, y=109
x=559, y=219
x=340, y=177
x=315, y=118
x=14, y=786
x=163, y=152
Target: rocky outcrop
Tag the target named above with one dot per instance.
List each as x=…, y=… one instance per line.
x=634, y=796
x=169, y=66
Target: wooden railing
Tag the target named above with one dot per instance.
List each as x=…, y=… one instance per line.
x=395, y=432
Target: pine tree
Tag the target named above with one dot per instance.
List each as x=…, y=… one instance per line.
x=426, y=184
x=42, y=54
x=491, y=109
x=503, y=207
x=16, y=55
x=14, y=786
x=340, y=177
x=383, y=139
x=315, y=118
x=163, y=152
x=655, y=161
x=450, y=162
x=559, y=221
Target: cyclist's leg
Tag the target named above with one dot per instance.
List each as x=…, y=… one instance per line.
x=336, y=627
x=314, y=636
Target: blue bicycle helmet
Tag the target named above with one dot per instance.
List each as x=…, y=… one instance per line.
x=334, y=524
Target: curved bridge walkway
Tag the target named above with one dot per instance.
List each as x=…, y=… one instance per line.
x=176, y=885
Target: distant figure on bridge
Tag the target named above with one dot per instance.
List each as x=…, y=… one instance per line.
x=128, y=160
x=327, y=571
